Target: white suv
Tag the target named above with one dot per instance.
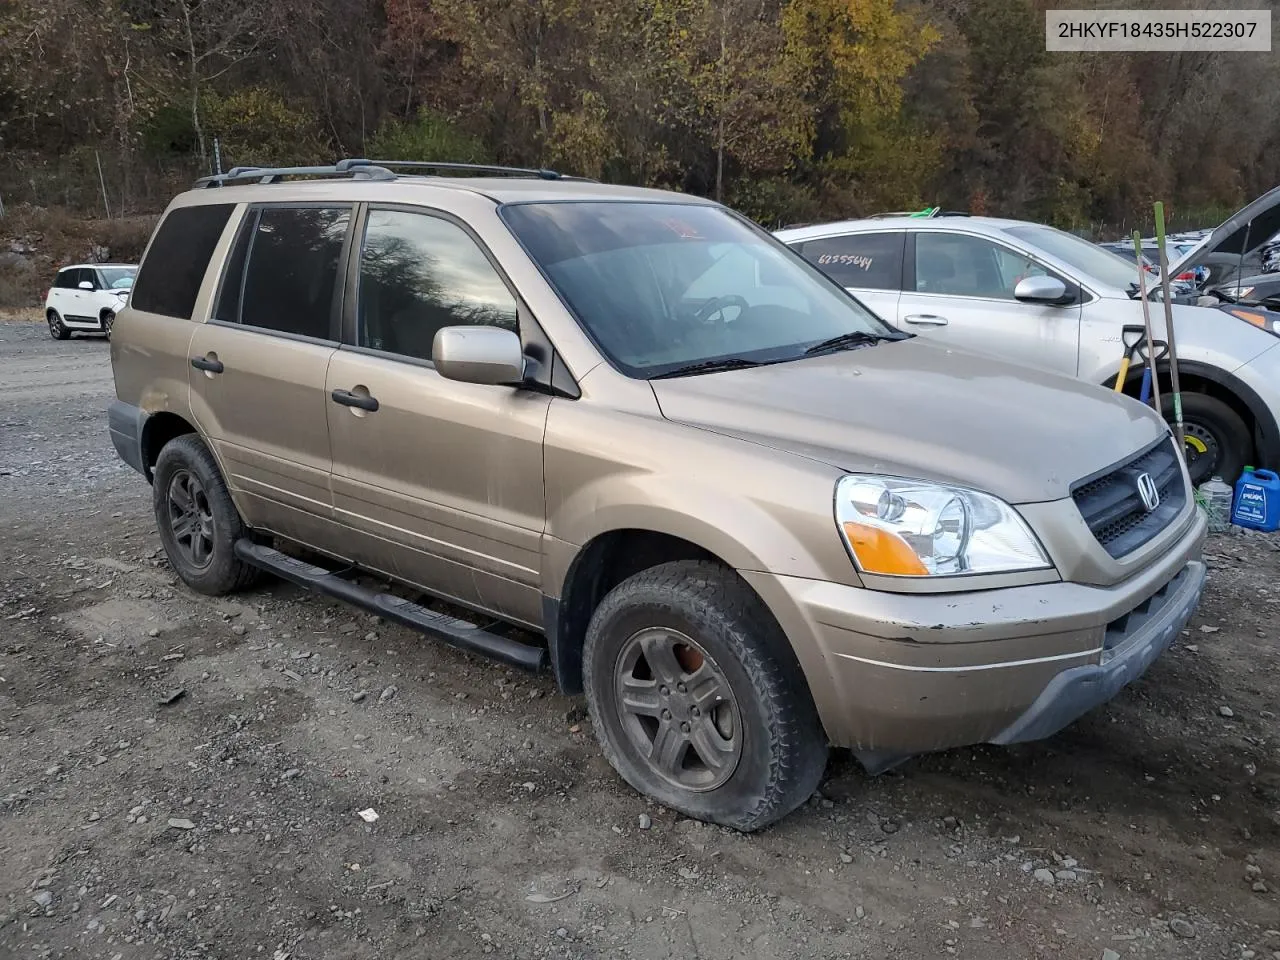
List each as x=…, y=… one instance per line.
x=86, y=297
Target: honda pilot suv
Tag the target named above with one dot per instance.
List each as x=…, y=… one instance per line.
x=628, y=436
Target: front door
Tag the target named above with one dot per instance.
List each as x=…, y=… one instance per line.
x=959, y=291
x=259, y=366
x=439, y=482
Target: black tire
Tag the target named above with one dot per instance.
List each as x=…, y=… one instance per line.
x=1218, y=441
x=185, y=464
x=108, y=320
x=57, y=329
x=781, y=746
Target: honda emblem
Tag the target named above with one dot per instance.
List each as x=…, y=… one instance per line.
x=1148, y=492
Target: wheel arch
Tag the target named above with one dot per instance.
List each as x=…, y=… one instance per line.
x=158, y=429
x=1197, y=377
x=606, y=560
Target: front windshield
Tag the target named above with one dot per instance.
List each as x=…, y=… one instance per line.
x=1086, y=258
x=662, y=286
x=118, y=278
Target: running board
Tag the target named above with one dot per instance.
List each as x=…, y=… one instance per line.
x=459, y=633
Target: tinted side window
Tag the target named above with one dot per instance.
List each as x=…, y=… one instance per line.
x=965, y=266
x=419, y=273
x=66, y=280
x=170, y=277
x=292, y=269
x=872, y=261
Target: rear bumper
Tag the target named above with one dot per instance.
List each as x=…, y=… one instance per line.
x=900, y=674
x=125, y=423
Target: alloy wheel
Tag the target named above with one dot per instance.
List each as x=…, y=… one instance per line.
x=191, y=518
x=678, y=709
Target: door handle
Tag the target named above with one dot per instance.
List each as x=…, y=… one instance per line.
x=925, y=320
x=349, y=399
x=208, y=364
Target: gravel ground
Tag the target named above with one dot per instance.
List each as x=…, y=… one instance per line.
x=182, y=777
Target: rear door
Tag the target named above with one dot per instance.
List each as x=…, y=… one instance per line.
x=868, y=265
x=440, y=483
x=259, y=365
x=959, y=291
x=60, y=296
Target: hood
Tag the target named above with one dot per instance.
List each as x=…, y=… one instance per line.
x=1241, y=235
x=911, y=408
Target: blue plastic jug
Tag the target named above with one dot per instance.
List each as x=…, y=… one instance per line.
x=1257, y=502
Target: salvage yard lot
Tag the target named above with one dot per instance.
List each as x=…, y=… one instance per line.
x=181, y=776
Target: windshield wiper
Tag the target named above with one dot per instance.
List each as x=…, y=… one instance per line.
x=709, y=366
x=854, y=338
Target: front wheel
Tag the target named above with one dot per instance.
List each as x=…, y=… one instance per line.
x=57, y=329
x=108, y=320
x=697, y=699
x=1217, y=439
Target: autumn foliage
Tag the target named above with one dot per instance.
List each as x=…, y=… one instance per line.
x=792, y=110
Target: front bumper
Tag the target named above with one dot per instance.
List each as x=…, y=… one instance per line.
x=895, y=674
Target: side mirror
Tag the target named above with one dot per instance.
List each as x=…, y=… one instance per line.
x=489, y=355
x=1040, y=290
x=85, y=285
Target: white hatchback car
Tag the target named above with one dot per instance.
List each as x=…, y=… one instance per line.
x=86, y=297
x=1049, y=299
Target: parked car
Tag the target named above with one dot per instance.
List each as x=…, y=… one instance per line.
x=735, y=508
x=1180, y=285
x=1262, y=290
x=1245, y=245
x=86, y=297
x=1052, y=300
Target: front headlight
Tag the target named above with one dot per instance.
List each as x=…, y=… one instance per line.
x=914, y=528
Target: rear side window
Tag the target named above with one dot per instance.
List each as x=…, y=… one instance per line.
x=170, y=277
x=283, y=270
x=66, y=280
x=871, y=261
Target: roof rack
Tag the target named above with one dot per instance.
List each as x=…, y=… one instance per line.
x=540, y=172
x=361, y=169
x=357, y=170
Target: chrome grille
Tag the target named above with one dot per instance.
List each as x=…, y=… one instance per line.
x=1112, y=505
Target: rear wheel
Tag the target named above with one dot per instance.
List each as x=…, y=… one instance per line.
x=697, y=699
x=1217, y=439
x=198, y=522
x=57, y=329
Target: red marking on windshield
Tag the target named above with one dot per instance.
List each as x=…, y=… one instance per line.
x=683, y=230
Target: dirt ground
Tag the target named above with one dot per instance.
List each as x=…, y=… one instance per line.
x=224, y=823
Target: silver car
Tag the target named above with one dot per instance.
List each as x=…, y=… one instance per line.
x=1049, y=299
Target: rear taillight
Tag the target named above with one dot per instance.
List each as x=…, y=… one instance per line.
x=1185, y=276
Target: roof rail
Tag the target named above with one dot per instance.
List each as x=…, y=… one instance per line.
x=478, y=168
x=360, y=169
x=356, y=170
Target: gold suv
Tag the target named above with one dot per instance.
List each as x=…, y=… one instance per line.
x=748, y=517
